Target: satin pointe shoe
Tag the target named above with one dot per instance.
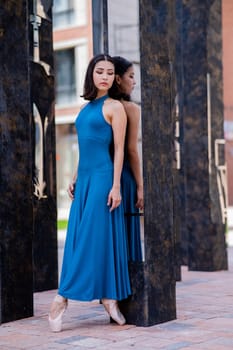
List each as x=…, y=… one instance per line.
x=56, y=312
x=111, y=306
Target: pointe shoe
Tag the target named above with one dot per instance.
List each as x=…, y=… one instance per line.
x=112, y=309
x=56, y=312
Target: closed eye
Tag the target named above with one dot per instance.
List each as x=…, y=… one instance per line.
x=110, y=72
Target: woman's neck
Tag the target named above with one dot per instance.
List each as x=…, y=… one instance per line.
x=101, y=94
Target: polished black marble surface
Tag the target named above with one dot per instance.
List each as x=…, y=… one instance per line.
x=43, y=139
x=153, y=281
x=202, y=77
x=178, y=60
x=16, y=211
x=180, y=184
x=28, y=241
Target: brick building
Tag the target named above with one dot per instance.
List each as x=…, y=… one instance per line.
x=72, y=49
x=227, y=31
x=73, y=45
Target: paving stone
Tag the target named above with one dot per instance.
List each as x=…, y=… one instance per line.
x=204, y=321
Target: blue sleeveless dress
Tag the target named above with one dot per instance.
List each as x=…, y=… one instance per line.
x=131, y=213
x=95, y=262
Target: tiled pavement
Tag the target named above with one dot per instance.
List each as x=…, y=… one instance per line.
x=204, y=321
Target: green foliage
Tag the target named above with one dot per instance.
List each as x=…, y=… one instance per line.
x=62, y=224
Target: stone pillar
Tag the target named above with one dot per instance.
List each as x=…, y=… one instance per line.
x=153, y=281
x=180, y=178
x=100, y=26
x=28, y=250
x=203, y=135
x=43, y=143
x=16, y=210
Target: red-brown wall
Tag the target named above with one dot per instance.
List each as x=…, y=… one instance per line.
x=227, y=33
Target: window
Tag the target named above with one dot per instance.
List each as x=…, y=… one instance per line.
x=65, y=77
x=69, y=13
x=63, y=13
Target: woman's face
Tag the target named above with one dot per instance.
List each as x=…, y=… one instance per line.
x=103, y=76
x=127, y=81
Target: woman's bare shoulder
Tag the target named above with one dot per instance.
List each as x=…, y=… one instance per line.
x=115, y=104
x=131, y=106
x=132, y=109
x=83, y=105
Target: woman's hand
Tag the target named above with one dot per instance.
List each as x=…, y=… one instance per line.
x=71, y=189
x=140, y=198
x=114, y=198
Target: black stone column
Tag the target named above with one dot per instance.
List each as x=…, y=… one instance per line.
x=153, y=281
x=203, y=134
x=28, y=239
x=16, y=210
x=100, y=26
x=182, y=245
x=43, y=141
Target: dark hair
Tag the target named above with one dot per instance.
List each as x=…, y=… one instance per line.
x=89, y=89
x=121, y=66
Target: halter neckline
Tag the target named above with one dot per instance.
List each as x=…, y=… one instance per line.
x=100, y=98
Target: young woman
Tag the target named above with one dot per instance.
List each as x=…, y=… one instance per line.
x=132, y=183
x=95, y=264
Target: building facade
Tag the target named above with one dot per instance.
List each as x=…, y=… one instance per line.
x=73, y=46
x=72, y=38
x=227, y=30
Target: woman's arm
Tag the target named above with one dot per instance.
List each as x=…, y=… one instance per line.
x=133, y=120
x=71, y=186
x=118, y=121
